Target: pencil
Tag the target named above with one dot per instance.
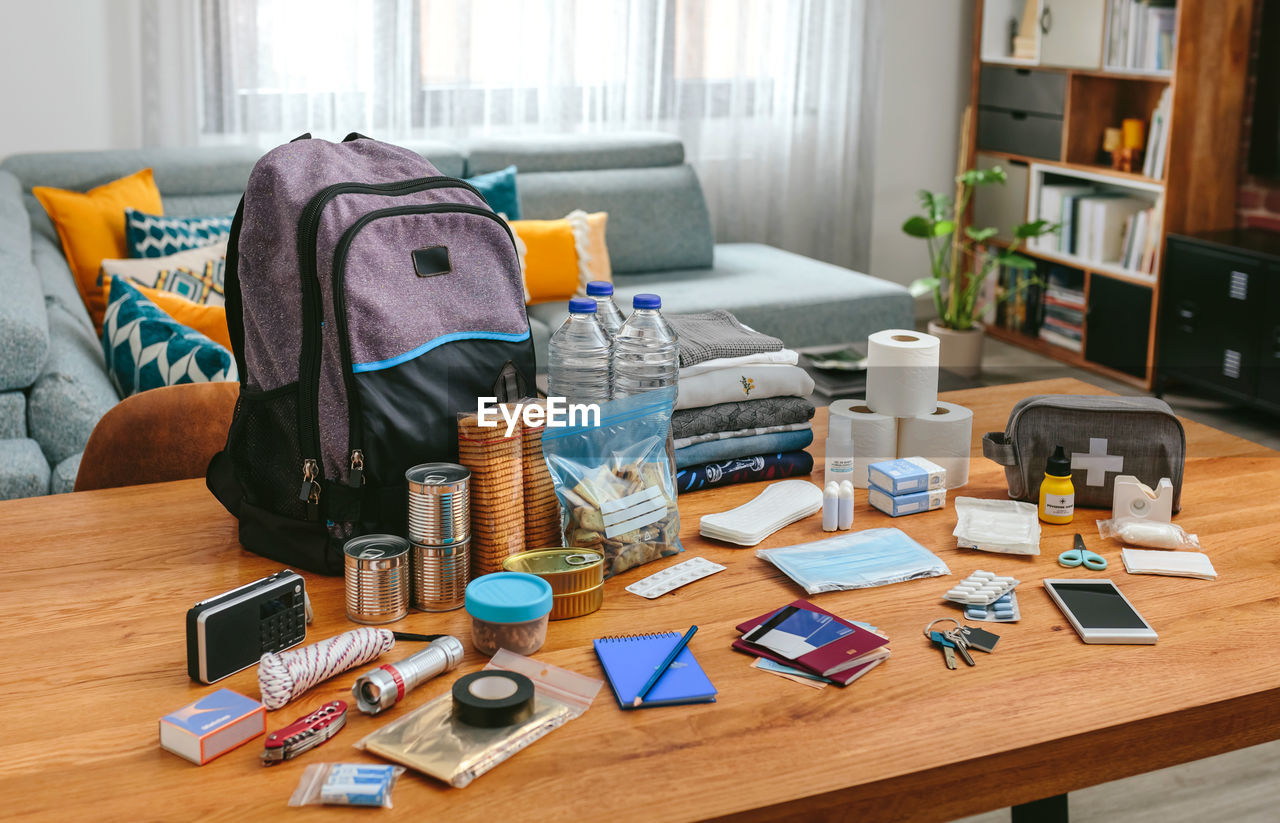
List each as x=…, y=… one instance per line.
x=661, y=668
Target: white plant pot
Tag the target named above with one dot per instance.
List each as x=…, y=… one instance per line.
x=960, y=352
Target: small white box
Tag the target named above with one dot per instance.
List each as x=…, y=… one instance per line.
x=906, y=475
x=896, y=505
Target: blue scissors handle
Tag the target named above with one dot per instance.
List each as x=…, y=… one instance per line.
x=1080, y=556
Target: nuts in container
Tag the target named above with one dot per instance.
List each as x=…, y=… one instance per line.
x=509, y=610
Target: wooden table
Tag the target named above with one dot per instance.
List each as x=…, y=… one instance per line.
x=94, y=588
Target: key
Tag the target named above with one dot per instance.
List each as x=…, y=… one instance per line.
x=948, y=648
x=980, y=639
x=956, y=636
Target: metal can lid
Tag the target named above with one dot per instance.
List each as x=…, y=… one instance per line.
x=552, y=561
x=437, y=474
x=375, y=546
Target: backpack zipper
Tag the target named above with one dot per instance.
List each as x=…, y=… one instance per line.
x=340, y=305
x=313, y=312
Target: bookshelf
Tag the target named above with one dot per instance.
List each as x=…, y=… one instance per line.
x=1048, y=78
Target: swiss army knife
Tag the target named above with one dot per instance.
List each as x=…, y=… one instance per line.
x=305, y=733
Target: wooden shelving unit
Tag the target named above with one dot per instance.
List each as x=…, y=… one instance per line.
x=1194, y=192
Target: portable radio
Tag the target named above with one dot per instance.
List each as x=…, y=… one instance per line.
x=231, y=632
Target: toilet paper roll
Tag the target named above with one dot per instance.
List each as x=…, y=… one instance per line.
x=902, y=373
x=943, y=437
x=875, y=436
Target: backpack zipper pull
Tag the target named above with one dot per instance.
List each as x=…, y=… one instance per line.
x=357, y=469
x=309, y=491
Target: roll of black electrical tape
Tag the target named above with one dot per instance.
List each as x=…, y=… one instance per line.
x=491, y=699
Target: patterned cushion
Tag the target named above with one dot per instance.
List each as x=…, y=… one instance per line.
x=150, y=235
x=145, y=348
x=196, y=274
x=498, y=188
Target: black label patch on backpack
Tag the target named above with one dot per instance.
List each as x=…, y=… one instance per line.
x=431, y=261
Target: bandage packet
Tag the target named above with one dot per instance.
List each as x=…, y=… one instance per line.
x=857, y=560
x=1002, y=526
x=346, y=784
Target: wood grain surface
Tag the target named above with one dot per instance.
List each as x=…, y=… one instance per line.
x=94, y=588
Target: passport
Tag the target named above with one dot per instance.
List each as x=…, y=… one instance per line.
x=837, y=660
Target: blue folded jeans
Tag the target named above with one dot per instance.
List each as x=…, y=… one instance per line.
x=717, y=450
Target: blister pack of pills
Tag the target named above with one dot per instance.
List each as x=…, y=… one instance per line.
x=1004, y=610
x=981, y=588
x=673, y=577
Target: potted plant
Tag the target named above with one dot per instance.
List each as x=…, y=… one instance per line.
x=960, y=266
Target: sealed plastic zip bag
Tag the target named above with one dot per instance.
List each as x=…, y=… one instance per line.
x=616, y=483
x=1139, y=532
x=860, y=560
x=346, y=784
x=1002, y=526
x=481, y=722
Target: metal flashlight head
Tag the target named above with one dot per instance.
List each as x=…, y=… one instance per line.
x=379, y=689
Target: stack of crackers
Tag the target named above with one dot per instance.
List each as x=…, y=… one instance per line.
x=541, y=506
x=496, y=462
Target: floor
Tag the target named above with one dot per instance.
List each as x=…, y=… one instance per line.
x=1240, y=786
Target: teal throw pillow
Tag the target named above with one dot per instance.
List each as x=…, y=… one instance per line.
x=146, y=348
x=150, y=235
x=499, y=191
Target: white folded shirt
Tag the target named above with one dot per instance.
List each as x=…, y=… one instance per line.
x=785, y=357
x=751, y=382
x=1171, y=563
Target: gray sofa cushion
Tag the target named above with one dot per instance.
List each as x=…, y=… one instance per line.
x=574, y=152
x=72, y=393
x=13, y=415
x=56, y=280
x=23, y=470
x=822, y=303
x=63, y=479
x=24, y=331
x=658, y=218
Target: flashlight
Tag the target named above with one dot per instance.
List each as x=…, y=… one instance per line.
x=377, y=690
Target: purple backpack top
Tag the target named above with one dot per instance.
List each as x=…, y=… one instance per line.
x=369, y=300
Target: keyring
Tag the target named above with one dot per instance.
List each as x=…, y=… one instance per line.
x=929, y=627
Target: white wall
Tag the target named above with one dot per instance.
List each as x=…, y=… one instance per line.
x=70, y=75
x=924, y=85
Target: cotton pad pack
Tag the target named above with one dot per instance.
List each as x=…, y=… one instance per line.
x=779, y=505
x=1003, y=526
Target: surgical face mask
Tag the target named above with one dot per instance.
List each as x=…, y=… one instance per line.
x=859, y=560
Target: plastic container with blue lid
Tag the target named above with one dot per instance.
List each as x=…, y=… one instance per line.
x=509, y=610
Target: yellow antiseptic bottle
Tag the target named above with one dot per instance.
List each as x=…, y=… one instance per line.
x=1057, y=494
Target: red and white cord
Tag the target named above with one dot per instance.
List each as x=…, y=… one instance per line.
x=284, y=676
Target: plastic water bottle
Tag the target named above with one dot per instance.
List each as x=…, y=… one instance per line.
x=610, y=315
x=580, y=356
x=646, y=351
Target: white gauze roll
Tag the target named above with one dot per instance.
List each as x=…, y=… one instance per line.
x=875, y=436
x=902, y=373
x=943, y=437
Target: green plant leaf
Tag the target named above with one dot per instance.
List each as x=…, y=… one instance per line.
x=978, y=235
x=923, y=286
x=936, y=206
x=982, y=177
x=1034, y=229
x=917, y=226
x=943, y=228
x=1016, y=261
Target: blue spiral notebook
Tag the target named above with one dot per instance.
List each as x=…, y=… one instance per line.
x=629, y=661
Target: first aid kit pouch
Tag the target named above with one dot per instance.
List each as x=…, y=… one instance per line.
x=1105, y=436
x=858, y=560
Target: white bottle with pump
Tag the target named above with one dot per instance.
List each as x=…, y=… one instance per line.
x=839, y=449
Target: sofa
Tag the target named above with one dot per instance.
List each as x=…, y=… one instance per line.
x=53, y=382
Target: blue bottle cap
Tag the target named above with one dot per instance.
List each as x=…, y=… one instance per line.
x=599, y=288
x=582, y=305
x=508, y=597
x=646, y=301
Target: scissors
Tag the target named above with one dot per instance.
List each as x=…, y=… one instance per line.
x=1080, y=556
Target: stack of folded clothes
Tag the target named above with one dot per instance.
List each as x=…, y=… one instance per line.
x=742, y=413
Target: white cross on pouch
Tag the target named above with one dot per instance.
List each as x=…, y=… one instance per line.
x=1097, y=462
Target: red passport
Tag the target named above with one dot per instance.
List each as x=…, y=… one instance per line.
x=842, y=660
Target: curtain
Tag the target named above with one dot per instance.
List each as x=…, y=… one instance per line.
x=774, y=99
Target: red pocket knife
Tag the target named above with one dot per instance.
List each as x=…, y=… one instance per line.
x=305, y=733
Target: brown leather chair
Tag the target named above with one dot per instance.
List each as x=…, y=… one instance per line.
x=169, y=433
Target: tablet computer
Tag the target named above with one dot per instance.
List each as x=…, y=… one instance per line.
x=1099, y=612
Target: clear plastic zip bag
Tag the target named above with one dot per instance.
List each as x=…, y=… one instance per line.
x=346, y=784
x=433, y=740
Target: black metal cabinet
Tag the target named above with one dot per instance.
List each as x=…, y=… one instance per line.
x=1220, y=314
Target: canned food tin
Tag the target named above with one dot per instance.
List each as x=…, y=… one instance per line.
x=576, y=604
x=439, y=504
x=377, y=578
x=440, y=576
x=568, y=570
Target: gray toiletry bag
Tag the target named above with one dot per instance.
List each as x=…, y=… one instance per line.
x=1105, y=436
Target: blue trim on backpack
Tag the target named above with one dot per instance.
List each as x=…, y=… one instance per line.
x=378, y=365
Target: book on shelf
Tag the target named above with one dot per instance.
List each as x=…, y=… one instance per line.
x=1158, y=137
x=1142, y=239
x=1097, y=224
x=1063, y=311
x=1052, y=199
x=1141, y=34
x=1050, y=336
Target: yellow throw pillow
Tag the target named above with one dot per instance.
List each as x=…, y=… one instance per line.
x=211, y=321
x=91, y=227
x=559, y=257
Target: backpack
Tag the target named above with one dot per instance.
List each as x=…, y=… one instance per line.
x=369, y=299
